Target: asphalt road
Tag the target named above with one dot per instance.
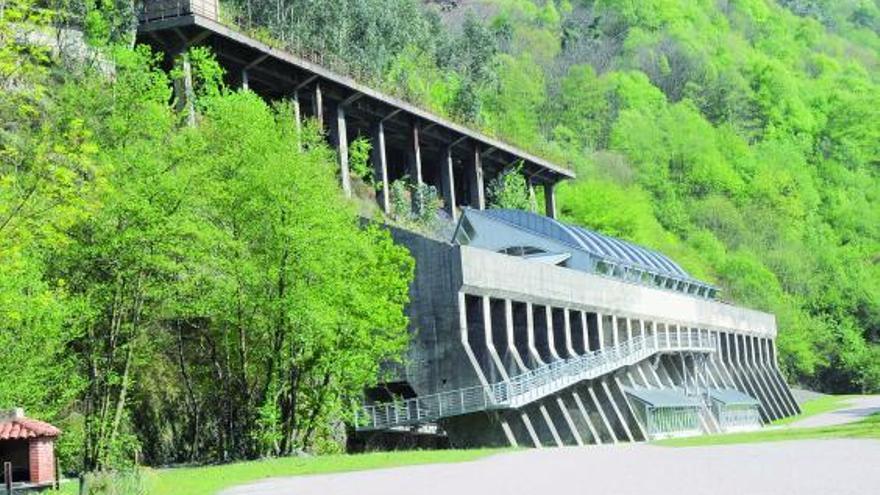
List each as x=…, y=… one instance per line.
x=858, y=409
x=821, y=467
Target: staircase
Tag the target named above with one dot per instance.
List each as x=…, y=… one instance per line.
x=527, y=387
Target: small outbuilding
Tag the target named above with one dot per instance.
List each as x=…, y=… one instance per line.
x=29, y=446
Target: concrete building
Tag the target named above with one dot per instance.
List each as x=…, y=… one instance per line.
x=525, y=331
x=531, y=332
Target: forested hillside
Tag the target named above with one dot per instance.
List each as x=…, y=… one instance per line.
x=741, y=137
x=200, y=290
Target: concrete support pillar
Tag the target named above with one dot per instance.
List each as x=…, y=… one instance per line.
x=490, y=342
x=447, y=179
x=511, y=342
x=414, y=155
x=614, y=338
x=602, y=415
x=463, y=333
x=341, y=134
x=318, y=106
x=586, y=330
x=297, y=118
x=569, y=345
x=245, y=83
x=184, y=92
x=550, y=200
x=551, y=339
x=475, y=179
x=600, y=331
x=614, y=406
x=380, y=167
x=586, y=417
x=530, y=325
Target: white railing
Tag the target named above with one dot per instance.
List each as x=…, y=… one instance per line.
x=739, y=418
x=527, y=387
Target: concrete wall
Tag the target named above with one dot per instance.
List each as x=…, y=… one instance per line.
x=498, y=275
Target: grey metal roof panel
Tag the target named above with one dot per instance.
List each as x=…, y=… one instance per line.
x=731, y=397
x=600, y=245
x=663, y=397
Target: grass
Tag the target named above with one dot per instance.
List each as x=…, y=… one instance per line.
x=822, y=404
x=208, y=480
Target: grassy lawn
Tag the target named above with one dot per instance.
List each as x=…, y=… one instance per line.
x=822, y=404
x=209, y=480
x=866, y=428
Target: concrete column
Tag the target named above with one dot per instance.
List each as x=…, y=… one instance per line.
x=447, y=178
x=551, y=339
x=511, y=341
x=602, y=415
x=297, y=118
x=463, y=332
x=586, y=417
x=600, y=331
x=630, y=410
x=614, y=406
x=629, y=328
x=614, y=338
x=569, y=346
x=565, y=414
x=475, y=179
x=184, y=92
x=490, y=342
x=245, y=83
x=530, y=325
x=586, y=330
x=415, y=155
x=342, y=149
x=380, y=167
x=318, y=106
x=550, y=200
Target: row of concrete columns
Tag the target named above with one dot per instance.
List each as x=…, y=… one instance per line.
x=599, y=410
x=338, y=133
x=473, y=161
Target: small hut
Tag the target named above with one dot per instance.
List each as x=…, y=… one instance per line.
x=29, y=445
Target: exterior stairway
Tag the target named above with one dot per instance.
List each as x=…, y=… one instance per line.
x=527, y=387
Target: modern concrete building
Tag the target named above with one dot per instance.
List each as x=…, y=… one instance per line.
x=525, y=331
x=531, y=332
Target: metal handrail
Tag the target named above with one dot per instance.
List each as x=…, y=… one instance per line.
x=527, y=387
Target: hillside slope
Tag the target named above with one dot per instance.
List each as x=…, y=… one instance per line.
x=742, y=137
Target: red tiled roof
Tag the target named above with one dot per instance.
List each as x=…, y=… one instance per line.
x=25, y=428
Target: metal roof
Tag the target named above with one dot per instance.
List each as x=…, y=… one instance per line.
x=732, y=397
x=663, y=397
x=600, y=245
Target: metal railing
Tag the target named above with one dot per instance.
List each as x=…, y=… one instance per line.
x=672, y=421
x=527, y=387
x=155, y=10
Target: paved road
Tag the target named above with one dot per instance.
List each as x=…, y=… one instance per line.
x=858, y=409
x=821, y=467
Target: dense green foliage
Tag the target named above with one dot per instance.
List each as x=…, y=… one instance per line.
x=150, y=264
x=186, y=292
x=740, y=137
